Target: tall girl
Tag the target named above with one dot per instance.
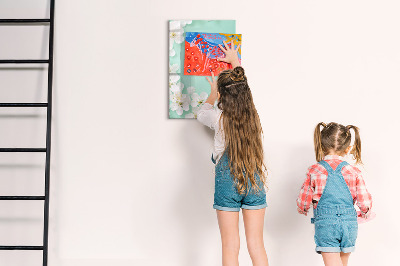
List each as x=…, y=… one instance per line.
x=238, y=155
x=333, y=186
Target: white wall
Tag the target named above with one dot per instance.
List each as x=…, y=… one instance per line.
x=132, y=187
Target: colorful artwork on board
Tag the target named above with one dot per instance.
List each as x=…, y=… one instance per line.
x=187, y=93
x=202, y=52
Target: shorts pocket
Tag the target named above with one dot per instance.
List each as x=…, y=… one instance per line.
x=221, y=174
x=224, y=182
x=326, y=232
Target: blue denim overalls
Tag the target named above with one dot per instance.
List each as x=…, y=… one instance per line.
x=335, y=217
x=226, y=195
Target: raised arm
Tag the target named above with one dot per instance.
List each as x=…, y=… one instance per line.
x=231, y=57
x=214, y=89
x=207, y=115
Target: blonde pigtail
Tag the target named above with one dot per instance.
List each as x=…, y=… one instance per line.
x=356, y=151
x=319, y=153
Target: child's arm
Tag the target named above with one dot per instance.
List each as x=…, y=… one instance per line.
x=214, y=88
x=364, y=199
x=231, y=57
x=231, y=54
x=207, y=115
x=305, y=197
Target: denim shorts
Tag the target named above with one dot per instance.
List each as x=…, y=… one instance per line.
x=226, y=195
x=335, y=233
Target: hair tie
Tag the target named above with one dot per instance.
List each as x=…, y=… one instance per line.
x=234, y=84
x=348, y=130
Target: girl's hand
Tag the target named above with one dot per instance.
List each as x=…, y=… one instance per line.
x=214, y=89
x=213, y=83
x=231, y=54
x=301, y=211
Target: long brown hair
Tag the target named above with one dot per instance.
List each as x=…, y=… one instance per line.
x=242, y=129
x=336, y=137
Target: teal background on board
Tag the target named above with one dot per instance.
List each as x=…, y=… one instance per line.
x=200, y=83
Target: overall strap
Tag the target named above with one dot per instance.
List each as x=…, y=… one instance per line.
x=212, y=158
x=326, y=166
x=340, y=166
x=336, y=197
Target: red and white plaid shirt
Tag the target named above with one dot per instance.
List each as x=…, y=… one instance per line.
x=314, y=185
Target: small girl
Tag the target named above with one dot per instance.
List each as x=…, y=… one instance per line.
x=333, y=186
x=238, y=155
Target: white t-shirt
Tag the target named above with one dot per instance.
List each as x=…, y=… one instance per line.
x=209, y=115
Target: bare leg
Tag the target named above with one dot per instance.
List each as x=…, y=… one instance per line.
x=229, y=228
x=345, y=258
x=254, y=227
x=332, y=259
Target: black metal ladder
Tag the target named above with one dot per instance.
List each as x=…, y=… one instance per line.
x=48, y=105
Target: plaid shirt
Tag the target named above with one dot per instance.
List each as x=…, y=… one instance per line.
x=314, y=185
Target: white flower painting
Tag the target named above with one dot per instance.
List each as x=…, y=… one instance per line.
x=173, y=69
x=174, y=84
x=179, y=102
x=193, y=114
x=188, y=93
x=198, y=99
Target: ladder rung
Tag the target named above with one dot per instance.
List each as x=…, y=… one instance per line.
x=22, y=197
x=22, y=149
x=34, y=20
x=24, y=61
x=23, y=104
x=21, y=247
